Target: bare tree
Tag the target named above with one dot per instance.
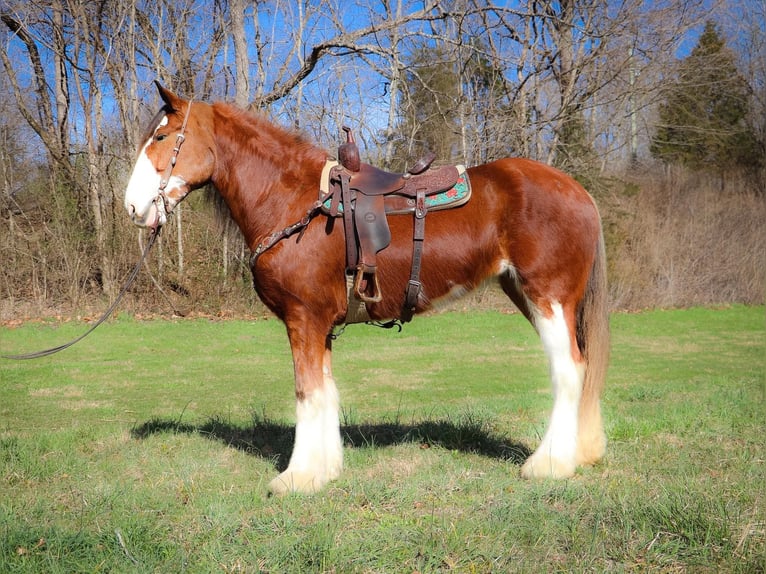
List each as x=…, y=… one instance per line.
x=46, y=118
x=241, y=55
x=571, y=82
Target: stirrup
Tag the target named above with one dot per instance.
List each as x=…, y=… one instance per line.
x=366, y=286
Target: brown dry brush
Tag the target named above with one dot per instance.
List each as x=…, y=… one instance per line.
x=680, y=239
x=675, y=239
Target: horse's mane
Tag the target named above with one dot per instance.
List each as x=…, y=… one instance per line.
x=265, y=139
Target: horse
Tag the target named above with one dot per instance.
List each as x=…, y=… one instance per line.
x=531, y=226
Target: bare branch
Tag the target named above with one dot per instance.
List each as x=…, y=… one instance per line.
x=349, y=43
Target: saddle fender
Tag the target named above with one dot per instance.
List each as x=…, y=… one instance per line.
x=373, y=235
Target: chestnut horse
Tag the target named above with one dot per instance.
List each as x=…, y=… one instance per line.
x=530, y=225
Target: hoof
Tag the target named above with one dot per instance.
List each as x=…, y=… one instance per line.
x=591, y=450
x=295, y=482
x=541, y=466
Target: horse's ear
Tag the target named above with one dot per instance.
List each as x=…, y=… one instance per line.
x=171, y=100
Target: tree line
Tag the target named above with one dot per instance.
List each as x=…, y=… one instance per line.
x=601, y=89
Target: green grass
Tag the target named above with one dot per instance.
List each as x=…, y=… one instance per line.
x=148, y=446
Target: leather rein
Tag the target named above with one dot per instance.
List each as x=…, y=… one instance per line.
x=155, y=232
x=278, y=236
x=104, y=317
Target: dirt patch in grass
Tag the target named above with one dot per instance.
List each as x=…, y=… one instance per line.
x=65, y=392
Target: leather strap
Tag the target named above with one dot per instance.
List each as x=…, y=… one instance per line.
x=352, y=252
x=180, y=138
x=414, y=286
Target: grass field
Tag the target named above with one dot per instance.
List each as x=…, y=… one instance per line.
x=148, y=447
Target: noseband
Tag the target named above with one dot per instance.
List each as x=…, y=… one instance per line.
x=180, y=138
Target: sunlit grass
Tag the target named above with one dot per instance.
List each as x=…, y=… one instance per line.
x=148, y=447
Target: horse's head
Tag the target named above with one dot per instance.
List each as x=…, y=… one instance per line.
x=176, y=156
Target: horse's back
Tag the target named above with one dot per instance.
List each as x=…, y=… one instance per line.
x=529, y=181
x=549, y=224
x=535, y=197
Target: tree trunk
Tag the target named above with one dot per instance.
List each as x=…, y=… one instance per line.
x=241, y=58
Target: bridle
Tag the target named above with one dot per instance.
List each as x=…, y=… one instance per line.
x=264, y=245
x=180, y=138
x=134, y=273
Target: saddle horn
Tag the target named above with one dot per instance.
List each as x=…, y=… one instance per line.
x=348, y=153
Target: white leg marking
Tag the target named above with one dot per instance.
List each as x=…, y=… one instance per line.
x=555, y=457
x=318, y=452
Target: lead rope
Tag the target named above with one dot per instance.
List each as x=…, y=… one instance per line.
x=132, y=277
x=104, y=317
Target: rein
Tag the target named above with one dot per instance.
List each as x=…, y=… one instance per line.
x=104, y=317
x=133, y=274
x=278, y=236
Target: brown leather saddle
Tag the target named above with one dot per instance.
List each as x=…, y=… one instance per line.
x=363, y=195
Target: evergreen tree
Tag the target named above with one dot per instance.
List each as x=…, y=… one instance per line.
x=443, y=98
x=428, y=104
x=574, y=153
x=703, y=119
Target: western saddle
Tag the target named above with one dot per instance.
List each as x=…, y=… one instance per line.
x=364, y=195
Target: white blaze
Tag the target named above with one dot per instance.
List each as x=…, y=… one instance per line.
x=142, y=192
x=143, y=188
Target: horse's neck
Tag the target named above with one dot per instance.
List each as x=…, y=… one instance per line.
x=267, y=176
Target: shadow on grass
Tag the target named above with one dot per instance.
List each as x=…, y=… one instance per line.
x=274, y=440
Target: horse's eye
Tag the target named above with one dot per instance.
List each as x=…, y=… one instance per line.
x=160, y=137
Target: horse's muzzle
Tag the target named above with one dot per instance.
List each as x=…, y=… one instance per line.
x=152, y=217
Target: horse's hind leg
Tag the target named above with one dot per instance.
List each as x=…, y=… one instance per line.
x=556, y=457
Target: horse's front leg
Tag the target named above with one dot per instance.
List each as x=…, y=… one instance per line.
x=317, y=454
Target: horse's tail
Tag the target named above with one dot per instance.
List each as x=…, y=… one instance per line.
x=593, y=334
